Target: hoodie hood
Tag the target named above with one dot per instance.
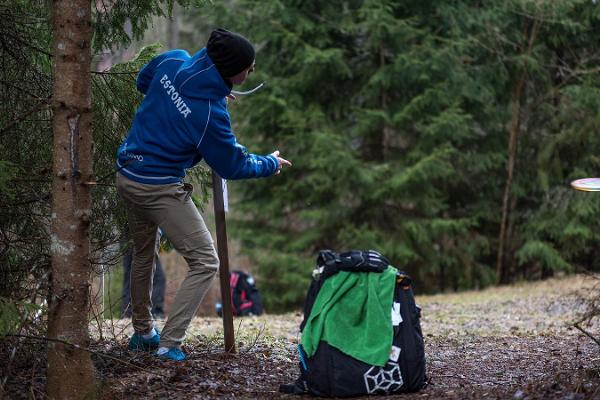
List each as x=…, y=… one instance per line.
x=198, y=78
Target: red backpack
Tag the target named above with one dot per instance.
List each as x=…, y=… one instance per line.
x=245, y=297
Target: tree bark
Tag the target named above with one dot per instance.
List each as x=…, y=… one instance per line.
x=70, y=369
x=374, y=144
x=502, y=275
x=504, y=238
x=173, y=26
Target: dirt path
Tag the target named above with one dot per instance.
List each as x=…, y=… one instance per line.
x=503, y=343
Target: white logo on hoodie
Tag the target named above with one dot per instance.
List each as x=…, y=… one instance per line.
x=175, y=98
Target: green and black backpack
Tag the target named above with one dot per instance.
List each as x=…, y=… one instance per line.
x=361, y=332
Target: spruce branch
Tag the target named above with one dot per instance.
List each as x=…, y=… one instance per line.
x=23, y=116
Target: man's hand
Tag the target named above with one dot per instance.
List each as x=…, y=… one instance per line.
x=280, y=161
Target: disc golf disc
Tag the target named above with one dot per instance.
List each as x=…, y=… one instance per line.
x=587, y=184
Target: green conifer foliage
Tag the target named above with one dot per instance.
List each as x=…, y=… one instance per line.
x=397, y=115
x=25, y=156
x=551, y=47
x=26, y=137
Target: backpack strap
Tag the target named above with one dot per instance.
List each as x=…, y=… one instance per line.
x=328, y=258
x=352, y=261
x=365, y=261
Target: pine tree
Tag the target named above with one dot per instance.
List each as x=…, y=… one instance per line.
x=397, y=116
x=25, y=158
x=543, y=49
x=369, y=106
x=27, y=239
x=560, y=231
x=70, y=370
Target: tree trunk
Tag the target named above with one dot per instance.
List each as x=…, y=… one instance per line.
x=374, y=144
x=504, y=238
x=502, y=274
x=173, y=28
x=70, y=369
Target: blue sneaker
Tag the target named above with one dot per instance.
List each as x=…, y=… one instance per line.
x=173, y=354
x=137, y=342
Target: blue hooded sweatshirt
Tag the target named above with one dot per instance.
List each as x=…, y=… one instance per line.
x=183, y=119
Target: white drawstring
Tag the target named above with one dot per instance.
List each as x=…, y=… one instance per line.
x=238, y=93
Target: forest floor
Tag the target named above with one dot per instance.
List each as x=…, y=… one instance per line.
x=514, y=342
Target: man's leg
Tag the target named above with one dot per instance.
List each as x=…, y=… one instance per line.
x=143, y=230
x=144, y=235
x=171, y=208
x=126, y=292
x=188, y=234
x=158, y=289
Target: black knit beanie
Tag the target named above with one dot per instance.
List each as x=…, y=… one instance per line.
x=232, y=53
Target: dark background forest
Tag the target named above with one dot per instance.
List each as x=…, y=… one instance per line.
x=443, y=134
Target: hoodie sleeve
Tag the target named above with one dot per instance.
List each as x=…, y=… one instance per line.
x=146, y=74
x=230, y=159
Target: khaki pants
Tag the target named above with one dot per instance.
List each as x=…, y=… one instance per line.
x=169, y=207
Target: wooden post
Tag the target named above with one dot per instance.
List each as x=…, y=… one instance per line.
x=219, y=206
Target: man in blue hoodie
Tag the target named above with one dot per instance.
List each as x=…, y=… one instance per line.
x=182, y=120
